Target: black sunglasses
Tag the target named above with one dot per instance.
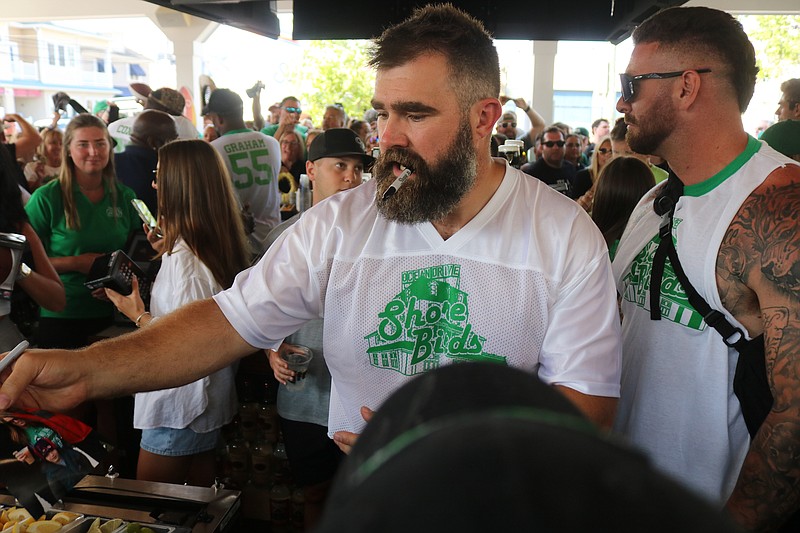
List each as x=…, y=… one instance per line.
x=627, y=81
x=604, y=150
x=550, y=144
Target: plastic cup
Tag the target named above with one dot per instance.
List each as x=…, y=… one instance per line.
x=298, y=358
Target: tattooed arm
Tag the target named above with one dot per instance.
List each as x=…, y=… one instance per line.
x=759, y=275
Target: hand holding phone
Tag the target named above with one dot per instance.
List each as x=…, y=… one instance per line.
x=146, y=216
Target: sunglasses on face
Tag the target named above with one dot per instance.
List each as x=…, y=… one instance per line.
x=604, y=150
x=293, y=110
x=628, y=82
x=507, y=124
x=550, y=144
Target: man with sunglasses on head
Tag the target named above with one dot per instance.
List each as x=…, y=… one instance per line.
x=551, y=167
x=289, y=118
x=735, y=232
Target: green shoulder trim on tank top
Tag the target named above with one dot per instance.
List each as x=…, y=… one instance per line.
x=699, y=189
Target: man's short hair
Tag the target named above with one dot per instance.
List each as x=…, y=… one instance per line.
x=554, y=129
x=289, y=98
x=597, y=123
x=698, y=32
x=619, y=130
x=791, y=91
x=446, y=30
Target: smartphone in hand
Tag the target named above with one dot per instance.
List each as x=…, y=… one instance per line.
x=146, y=216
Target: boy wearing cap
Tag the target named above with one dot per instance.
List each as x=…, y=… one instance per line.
x=253, y=160
x=335, y=163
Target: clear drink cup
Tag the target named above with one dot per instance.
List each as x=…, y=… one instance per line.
x=298, y=358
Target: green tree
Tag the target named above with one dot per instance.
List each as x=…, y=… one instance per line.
x=335, y=71
x=776, y=39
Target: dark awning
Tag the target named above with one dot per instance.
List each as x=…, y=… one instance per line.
x=137, y=70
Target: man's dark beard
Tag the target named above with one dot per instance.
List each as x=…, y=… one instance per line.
x=652, y=130
x=433, y=191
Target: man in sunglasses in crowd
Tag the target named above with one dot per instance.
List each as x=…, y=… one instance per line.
x=735, y=229
x=551, y=167
x=289, y=118
x=507, y=125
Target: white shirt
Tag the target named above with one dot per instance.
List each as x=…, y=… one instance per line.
x=677, y=403
x=210, y=402
x=254, y=161
x=526, y=282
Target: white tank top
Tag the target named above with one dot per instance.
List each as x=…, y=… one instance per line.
x=677, y=401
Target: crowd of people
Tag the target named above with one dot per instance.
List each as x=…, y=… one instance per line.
x=446, y=255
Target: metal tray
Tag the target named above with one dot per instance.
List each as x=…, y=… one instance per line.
x=83, y=525
x=50, y=514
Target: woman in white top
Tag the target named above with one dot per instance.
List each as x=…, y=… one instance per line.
x=202, y=249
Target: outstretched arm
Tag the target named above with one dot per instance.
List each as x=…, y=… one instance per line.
x=179, y=348
x=758, y=264
x=43, y=285
x=537, y=122
x=27, y=140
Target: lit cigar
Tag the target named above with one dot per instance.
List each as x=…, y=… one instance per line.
x=396, y=184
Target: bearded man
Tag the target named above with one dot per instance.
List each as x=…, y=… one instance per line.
x=470, y=260
x=735, y=231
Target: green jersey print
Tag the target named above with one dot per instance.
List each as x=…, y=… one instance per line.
x=675, y=305
x=427, y=320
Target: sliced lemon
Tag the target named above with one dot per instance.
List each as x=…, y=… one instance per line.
x=44, y=526
x=65, y=517
x=111, y=525
x=19, y=514
x=95, y=527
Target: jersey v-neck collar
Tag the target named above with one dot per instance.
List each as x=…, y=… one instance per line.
x=704, y=187
x=466, y=233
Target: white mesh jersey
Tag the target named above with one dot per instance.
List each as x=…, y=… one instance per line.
x=677, y=401
x=527, y=282
x=254, y=160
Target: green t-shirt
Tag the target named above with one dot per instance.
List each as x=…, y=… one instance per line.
x=104, y=228
x=272, y=128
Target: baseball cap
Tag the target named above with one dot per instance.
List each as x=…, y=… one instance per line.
x=276, y=105
x=784, y=137
x=102, y=105
x=338, y=142
x=223, y=102
x=582, y=131
x=476, y=436
x=171, y=100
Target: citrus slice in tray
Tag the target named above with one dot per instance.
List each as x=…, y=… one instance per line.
x=44, y=526
x=65, y=517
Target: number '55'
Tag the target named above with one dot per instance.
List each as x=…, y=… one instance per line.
x=244, y=172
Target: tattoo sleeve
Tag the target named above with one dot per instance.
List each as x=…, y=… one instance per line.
x=761, y=255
